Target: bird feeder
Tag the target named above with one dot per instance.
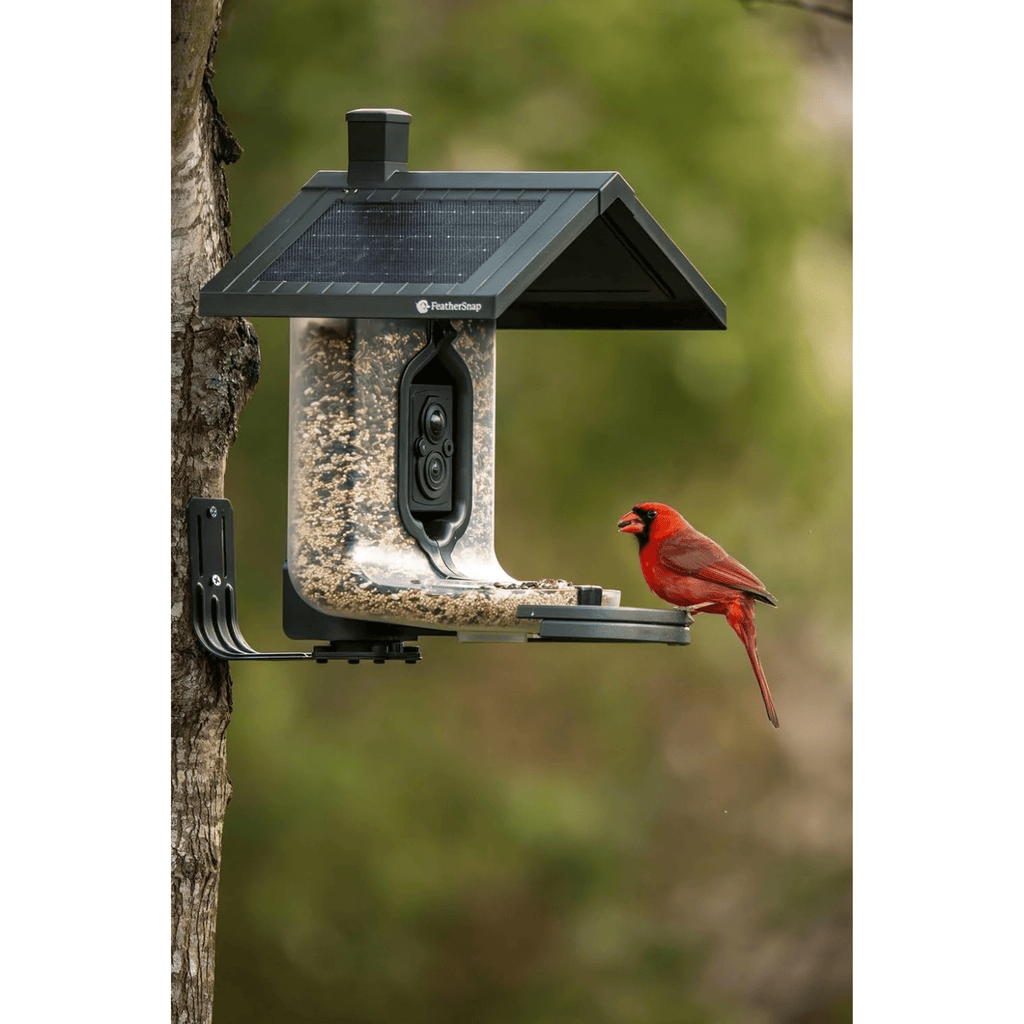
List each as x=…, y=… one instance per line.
x=395, y=283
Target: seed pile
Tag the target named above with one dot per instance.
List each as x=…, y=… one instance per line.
x=348, y=552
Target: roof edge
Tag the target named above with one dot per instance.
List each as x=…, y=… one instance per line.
x=551, y=180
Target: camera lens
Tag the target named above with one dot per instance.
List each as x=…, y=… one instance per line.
x=432, y=473
x=434, y=421
x=435, y=471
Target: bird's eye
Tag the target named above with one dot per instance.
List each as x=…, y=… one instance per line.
x=651, y=513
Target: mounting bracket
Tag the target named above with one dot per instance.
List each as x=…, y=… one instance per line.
x=211, y=545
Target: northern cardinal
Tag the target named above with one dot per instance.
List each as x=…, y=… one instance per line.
x=688, y=569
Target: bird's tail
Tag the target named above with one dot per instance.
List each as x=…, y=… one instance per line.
x=751, y=647
x=742, y=622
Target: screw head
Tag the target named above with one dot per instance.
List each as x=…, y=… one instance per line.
x=215, y=580
x=212, y=511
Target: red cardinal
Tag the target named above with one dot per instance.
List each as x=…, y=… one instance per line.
x=688, y=569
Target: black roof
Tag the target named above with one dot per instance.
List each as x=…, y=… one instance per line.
x=528, y=249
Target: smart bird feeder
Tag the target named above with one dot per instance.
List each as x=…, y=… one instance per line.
x=395, y=283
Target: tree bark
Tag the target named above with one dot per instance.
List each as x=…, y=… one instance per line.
x=214, y=367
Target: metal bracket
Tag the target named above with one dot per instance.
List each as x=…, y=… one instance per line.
x=211, y=545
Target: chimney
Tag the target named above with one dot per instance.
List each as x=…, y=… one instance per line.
x=378, y=144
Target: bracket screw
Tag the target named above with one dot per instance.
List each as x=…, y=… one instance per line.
x=215, y=580
x=212, y=511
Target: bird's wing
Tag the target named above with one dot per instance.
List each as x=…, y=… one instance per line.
x=700, y=557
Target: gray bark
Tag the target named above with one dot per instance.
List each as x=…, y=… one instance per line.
x=214, y=367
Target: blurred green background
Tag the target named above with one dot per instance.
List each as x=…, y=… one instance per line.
x=506, y=833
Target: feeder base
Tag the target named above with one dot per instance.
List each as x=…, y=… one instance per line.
x=215, y=621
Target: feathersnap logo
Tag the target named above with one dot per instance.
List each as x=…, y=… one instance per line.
x=424, y=306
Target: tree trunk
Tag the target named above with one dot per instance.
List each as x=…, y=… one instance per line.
x=214, y=367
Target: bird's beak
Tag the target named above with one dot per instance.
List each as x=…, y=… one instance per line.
x=631, y=523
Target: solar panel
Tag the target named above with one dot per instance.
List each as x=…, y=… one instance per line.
x=442, y=241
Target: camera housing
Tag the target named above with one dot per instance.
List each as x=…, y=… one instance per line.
x=436, y=420
x=431, y=467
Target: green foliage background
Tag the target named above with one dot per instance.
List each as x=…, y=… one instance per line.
x=502, y=833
